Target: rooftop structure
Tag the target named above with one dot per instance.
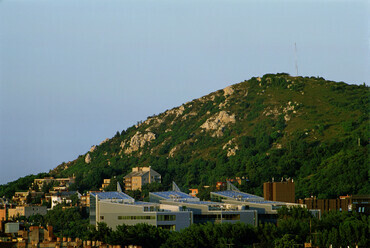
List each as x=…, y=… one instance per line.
x=237, y=195
x=175, y=195
x=113, y=196
x=204, y=211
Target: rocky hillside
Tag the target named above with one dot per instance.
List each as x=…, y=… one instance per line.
x=309, y=129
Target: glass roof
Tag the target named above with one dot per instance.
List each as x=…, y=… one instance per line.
x=173, y=195
x=112, y=195
x=237, y=195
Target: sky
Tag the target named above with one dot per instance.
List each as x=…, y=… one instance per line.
x=73, y=72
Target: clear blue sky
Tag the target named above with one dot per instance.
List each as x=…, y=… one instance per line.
x=72, y=73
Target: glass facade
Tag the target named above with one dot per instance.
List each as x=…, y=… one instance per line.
x=92, y=210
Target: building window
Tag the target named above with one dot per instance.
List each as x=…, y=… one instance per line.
x=166, y=217
x=151, y=217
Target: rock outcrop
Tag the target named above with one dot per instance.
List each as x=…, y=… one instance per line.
x=172, y=152
x=218, y=123
x=228, y=91
x=231, y=148
x=92, y=149
x=88, y=158
x=104, y=141
x=138, y=141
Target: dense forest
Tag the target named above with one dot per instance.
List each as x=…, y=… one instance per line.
x=277, y=126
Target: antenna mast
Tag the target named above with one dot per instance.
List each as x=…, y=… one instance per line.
x=296, y=61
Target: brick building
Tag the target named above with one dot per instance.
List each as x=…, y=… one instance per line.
x=279, y=191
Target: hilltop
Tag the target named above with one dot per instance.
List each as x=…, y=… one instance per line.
x=306, y=128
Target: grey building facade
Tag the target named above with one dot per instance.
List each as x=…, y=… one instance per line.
x=117, y=209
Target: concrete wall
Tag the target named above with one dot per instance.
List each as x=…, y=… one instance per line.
x=109, y=213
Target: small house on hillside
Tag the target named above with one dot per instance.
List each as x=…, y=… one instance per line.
x=141, y=176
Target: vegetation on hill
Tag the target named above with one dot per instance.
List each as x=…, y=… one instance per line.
x=278, y=126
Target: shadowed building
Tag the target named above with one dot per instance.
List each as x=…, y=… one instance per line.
x=279, y=191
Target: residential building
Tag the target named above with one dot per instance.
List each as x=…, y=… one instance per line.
x=105, y=184
x=141, y=176
x=20, y=197
x=85, y=200
x=4, y=205
x=26, y=211
x=117, y=208
x=59, y=182
x=223, y=184
x=279, y=191
x=3, y=214
x=63, y=197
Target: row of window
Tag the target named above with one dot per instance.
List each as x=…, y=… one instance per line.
x=151, y=208
x=212, y=217
x=166, y=217
x=148, y=217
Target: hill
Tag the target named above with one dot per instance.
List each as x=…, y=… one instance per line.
x=309, y=129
